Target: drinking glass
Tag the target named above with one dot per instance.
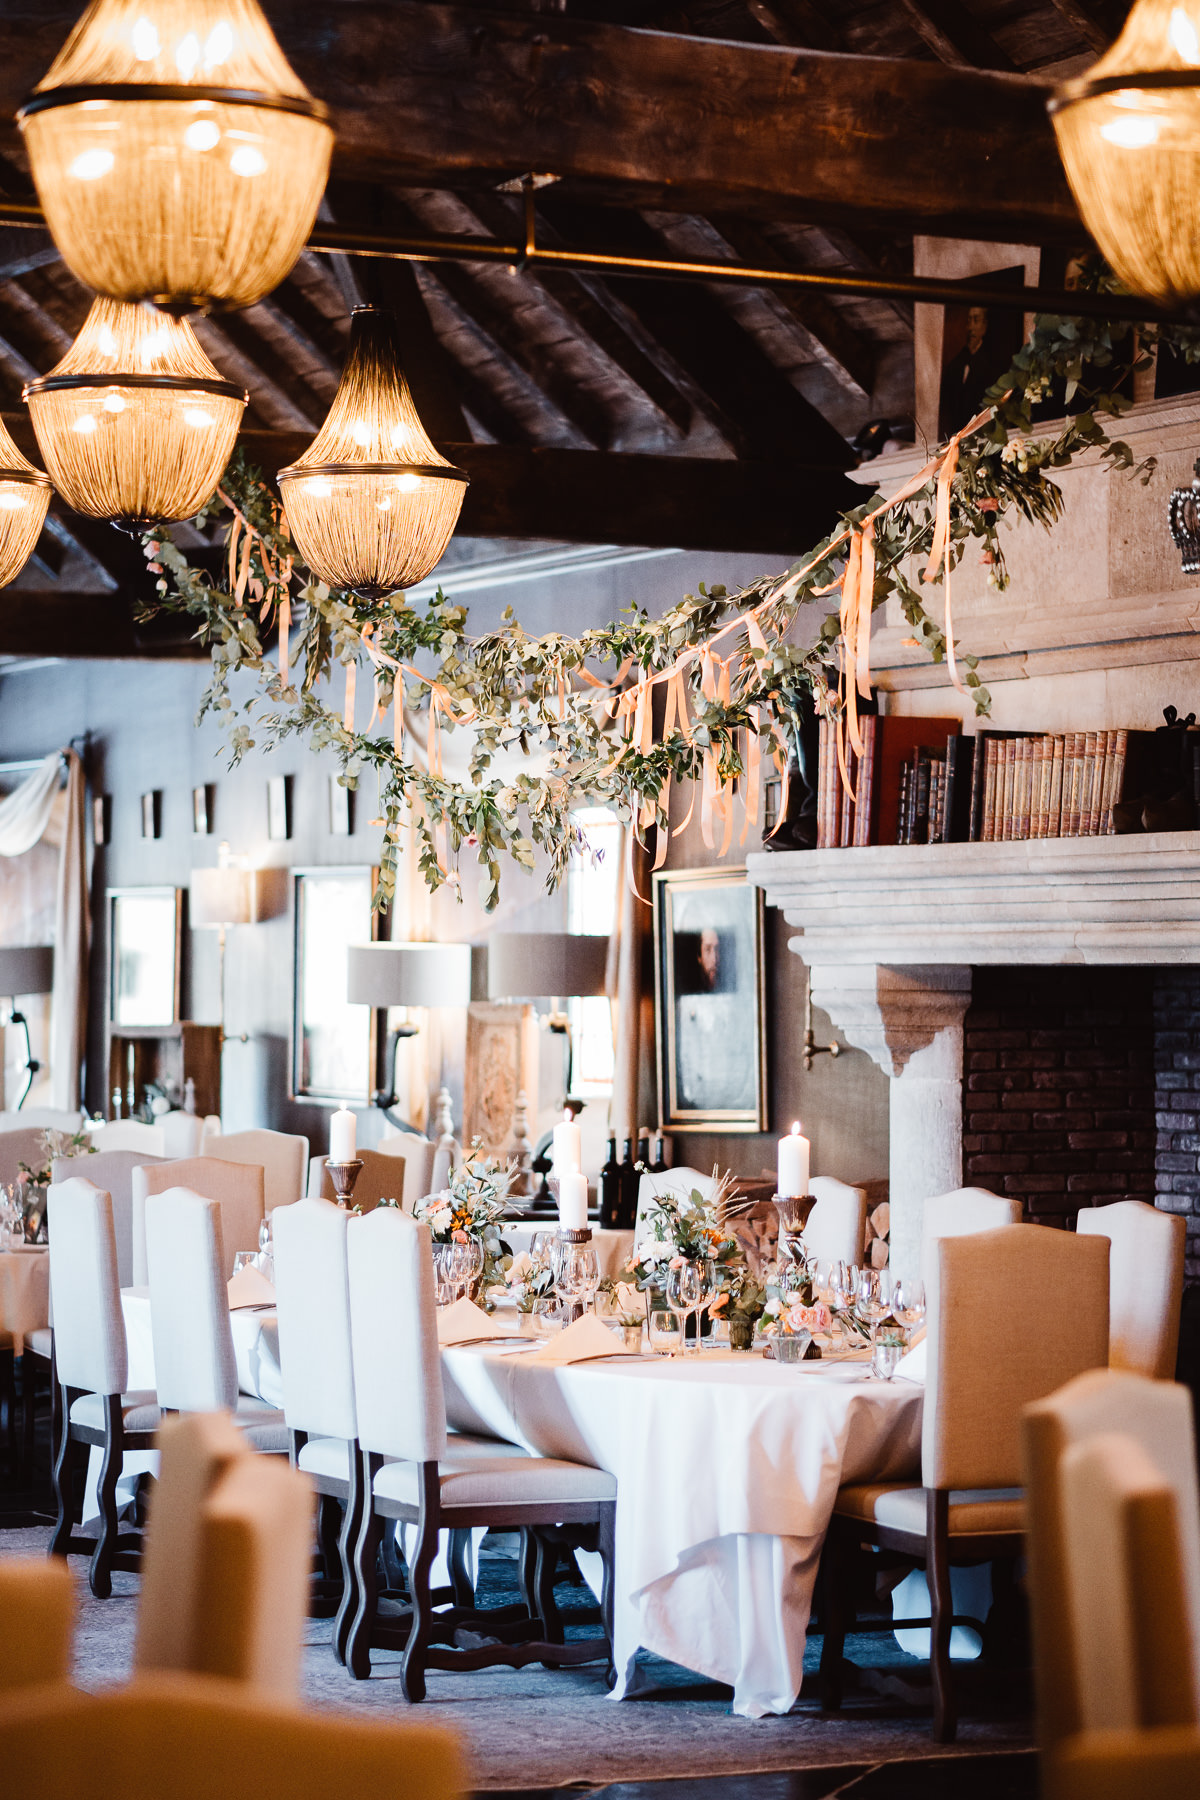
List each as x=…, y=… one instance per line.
x=466, y=1267
x=663, y=1332
x=908, y=1303
x=709, y=1289
x=578, y=1274
x=683, y=1295
x=873, y=1298
x=244, y=1259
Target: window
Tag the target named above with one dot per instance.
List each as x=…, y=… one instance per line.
x=593, y=893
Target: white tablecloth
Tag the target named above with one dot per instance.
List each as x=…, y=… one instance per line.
x=24, y=1292
x=255, y=1345
x=727, y=1468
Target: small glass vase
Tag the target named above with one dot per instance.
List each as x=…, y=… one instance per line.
x=632, y=1335
x=792, y=1346
x=741, y=1333
x=885, y=1359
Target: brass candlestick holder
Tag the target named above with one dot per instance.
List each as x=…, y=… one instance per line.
x=343, y=1176
x=794, y=1211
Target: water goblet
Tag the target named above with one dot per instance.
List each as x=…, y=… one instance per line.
x=908, y=1303
x=578, y=1275
x=264, y=1234
x=872, y=1298
x=467, y=1267
x=683, y=1295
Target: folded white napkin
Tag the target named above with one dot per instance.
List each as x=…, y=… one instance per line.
x=250, y=1287
x=465, y=1323
x=912, y=1363
x=583, y=1341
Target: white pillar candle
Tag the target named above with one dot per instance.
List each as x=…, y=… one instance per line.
x=568, y=1148
x=572, y=1201
x=342, y=1136
x=792, y=1178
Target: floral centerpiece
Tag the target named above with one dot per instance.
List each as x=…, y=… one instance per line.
x=33, y=1185
x=469, y=1210
x=529, y=1280
x=683, y=1228
x=741, y=1303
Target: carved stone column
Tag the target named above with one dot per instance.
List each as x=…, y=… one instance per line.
x=910, y=1022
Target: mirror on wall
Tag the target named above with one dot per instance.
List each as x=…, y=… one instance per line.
x=144, y=939
x=333, y=1043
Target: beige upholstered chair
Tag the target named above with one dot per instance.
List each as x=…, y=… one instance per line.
x=380, y=1178
x=195, y=1369
x=182, y=1133
x=92, y=1367
x=313, y=1292
x=1131, y=1547
x=197, y=1737
x=129, y=1134
x=236, y=1187
x=418, y=1154
x=960, y=1214
x=1145, y=1276
x=837, y=1225
x=225, y=1568
x=1157, y=1417
x=21, y=1144
x=282, y=1156
x=437, y=1481
x=37, y=1615
x=111, y=1170
x=968, y=1505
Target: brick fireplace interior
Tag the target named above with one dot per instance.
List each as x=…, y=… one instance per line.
x=1082, y=1086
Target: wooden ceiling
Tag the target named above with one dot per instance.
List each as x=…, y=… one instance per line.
x=586, y=408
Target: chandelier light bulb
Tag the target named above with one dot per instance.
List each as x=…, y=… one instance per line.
x=371, y=504
x=177, y=156
x=24, y=498
x=1129, y=135
x=135, y=423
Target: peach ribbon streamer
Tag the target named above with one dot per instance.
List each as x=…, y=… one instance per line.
x=285, y=626
x=939, y=556
x=351, y=681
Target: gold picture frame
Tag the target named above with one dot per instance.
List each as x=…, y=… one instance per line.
x=710, y=1001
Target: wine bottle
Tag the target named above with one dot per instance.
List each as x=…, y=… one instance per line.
x=658, y=1166
x=610, y=1188
x=630, y=1180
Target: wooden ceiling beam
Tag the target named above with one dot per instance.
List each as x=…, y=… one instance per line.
x=1097, y=23
x=955, y=38
x=643, y=118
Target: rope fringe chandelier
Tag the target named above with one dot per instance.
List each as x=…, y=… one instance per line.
x=1129, y=135
x=176, y=155
x=24, y=500
x=371, y=504
x=135, y=423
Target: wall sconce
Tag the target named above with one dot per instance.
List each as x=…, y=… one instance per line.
x=553, y=965
x=406, y=974
x=26, y=969
x=221, y=897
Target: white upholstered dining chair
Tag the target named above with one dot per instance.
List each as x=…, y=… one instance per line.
x=1157, y=1418
x=681, y=1180
x=92, y=1368
x=237, y=1189
x=968, y=1505
x=313, y=1294
x=418, y=1154
x=129, y=1134
x=961, y=1213
x=225, y=1567
x=111, y=1170
x=836, y=1230
x=282, y=1156
x=1145, y=1276
x=438, y=1481
x=182, y=1132
x=195, y=1369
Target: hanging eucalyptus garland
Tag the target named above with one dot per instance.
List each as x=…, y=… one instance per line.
x=578, y=714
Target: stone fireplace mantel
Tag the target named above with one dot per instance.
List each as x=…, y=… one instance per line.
x=890, y=934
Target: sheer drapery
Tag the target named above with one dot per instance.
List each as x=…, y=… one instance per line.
x=626, y=957
x=25, y=817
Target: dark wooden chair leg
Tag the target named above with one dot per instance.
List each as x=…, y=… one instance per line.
x=836, y=1613
x=348, y=1538
x=64, y=1481
x=527, y=1571
x=366, y=1546
x=937, y=1537
x=329, y=1518
x=395, y=1568
x=544, y=1570
x=460, y=1574
x=607, y=1547
x=100, y=1573
x=8, y=1404
x=412, y=1674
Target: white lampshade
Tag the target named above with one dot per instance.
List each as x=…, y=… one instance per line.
x=409, y=975
x=535, y=965
x=26, y=969
x=222, y=897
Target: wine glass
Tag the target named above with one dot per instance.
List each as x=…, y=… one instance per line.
x=579, y=1275
x=709, y=1289
x=908, y=1303
x=683, y=1295
x=264, y=1233
x=872, y=1298
x=466, y=1266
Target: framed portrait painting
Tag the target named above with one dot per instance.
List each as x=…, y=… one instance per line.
x=709, y=1013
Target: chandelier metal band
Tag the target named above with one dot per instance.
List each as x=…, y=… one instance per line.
x=305, y=105
x=437, y=471
x=1086, y=88
x=31, y=477
x=183, y=384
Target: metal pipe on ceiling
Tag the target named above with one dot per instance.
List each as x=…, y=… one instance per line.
x=1072, y=303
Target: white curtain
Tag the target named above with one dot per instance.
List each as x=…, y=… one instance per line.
x=25, y=813
x=72, y=945
x=24, y=817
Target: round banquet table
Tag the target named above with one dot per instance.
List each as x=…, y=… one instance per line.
x=727, y=1468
